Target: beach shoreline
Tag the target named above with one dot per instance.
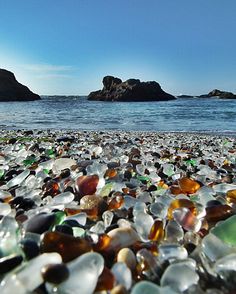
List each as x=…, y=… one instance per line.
x=137, y=205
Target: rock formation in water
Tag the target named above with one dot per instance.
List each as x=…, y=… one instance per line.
x=12, y=90
x=220, y=94
x=131, y=90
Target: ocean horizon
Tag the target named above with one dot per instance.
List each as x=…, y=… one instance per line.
x=207, y=115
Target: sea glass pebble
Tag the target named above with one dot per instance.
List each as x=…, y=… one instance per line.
x=225, y=230
x=83, y=274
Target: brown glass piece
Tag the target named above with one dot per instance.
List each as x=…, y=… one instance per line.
x=102, y=243
x=110, y=173
x=51, y=188
x=106, y=280
x=115, y=202
x=55, y=273
x=67, y=246
x=87, y=185
x=218, y=212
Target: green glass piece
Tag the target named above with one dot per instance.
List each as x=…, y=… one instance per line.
x=29, y=160
x=78, y=232
x=46, y=171
x=225, y=230
x=192, y=162
x=143, y=178
x=50, y=153
x=60, y=217
x=194, y=198
x=106, y=190
x=1, y=173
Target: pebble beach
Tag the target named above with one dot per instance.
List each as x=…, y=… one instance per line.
x=117, y=212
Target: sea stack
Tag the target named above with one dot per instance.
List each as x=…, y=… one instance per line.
x=12, y=90
x=132, y=90
x=220, y=94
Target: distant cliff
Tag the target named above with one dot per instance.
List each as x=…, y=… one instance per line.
x=131, y=90
x=12, y=90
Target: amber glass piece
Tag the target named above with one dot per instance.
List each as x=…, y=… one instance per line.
x=106, y=280
x=119, y=289
x=231, y=196
x=163, y=185
x=157, y=232
x=175, y=190
x=116, y=202
x=110, y=173
x=71, y=210
x=87, y=185
x=188, y=186
x=93, y=205
x=180, y=203
x=7, y=199
x=67, y=246
x=92, y=213
x=218, y=212
x=102, y=243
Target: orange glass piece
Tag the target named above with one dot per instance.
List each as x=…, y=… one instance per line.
x=102, y=243
x=106, y=280
x=163, y=185
x=110, y=173
x=181, y=203
x=67, y=246
x=188, y=186
x=218, y=212
x=231, y=196
x=116, y=202
x=87, y=185
x=157, y=232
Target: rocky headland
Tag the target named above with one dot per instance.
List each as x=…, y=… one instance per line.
x=12, y=90
x=132, y=90
x=214, y=93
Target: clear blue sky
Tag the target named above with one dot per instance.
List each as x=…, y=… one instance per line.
x=67, y=46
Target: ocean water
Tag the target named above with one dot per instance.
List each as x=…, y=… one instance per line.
x=183, y=115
